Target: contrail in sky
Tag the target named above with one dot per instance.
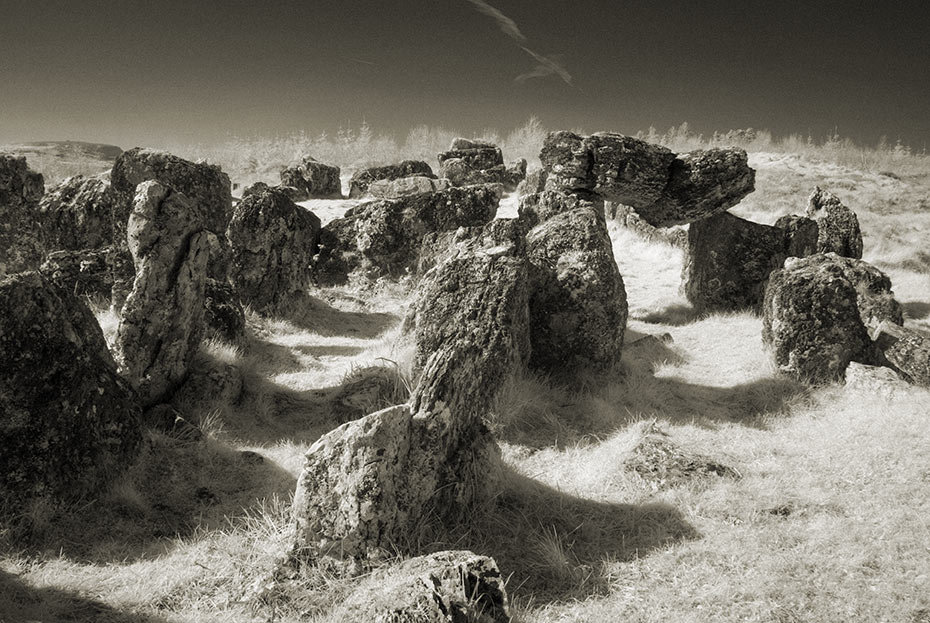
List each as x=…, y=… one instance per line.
x=546, y=65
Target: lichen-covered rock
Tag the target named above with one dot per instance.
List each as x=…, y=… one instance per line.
x=838, y=225
x=816, y=311
x=20, y=192
x=800, y=235
x=476, y=154
x=273, y=241
x=223, y=313
x=514, y=174
x=729, y=260
x=313, y=180
x=362, y=179
x=578, y=308
x=533, y=183
x=872, y=380
x=406, y=186
x=204, y=184
x=69, y=425
x=663, y=188
x=86, y=272
x=906, y=350
x=476, y=162
x=445, y=587
x=542, y=206
x=501, y=236
x=382, y=238
x=76, y=214
x=161, y=322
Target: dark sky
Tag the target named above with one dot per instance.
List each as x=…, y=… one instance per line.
x=151, y=72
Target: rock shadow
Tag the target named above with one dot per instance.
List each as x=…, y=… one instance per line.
x=559, y=546
x=176, y=489
x=916, y=310
x=328, y=350
x=314, y=314
x=21, y=602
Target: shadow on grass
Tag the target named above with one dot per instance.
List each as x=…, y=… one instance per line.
x=175, y=490
x=916, y=310
x=674, y=315
x=21, y=602
x=314, y=314
x=558, y=546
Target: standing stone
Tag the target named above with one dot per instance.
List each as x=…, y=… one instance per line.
x=161, y=323
x=816, y=313
x=313, y=180
x=907, y=351
x=729, y=259
x=20, y=192
x=838, y=225
x=203, y=184
x=273, y=242
x=69, y=425
x=801, y=235
x=663, y=188
x=578, y=308
x=362, y=179
x=76, y=214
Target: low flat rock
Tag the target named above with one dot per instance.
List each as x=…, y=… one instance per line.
x=906, y=350
x=362, y=179
x=312, y=179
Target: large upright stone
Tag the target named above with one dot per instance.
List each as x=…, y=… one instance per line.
x=69, y=425
x=366, y=486
x=383, y=238
x=273, y=241
x=816, y=314
x=663, y=188
x=203, y=184
x=362, y=179
x=578, y=308
x=20, y=192
x=839, y=227
x=76, y=214
x=729, y=259
x=313, y=180
x=161, y=322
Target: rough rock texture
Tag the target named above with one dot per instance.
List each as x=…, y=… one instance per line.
x=533, y=183
x=366, y=485
x=816, y=311
x=663, y=188
x=476, y=162
x=800, y=235
x=87, y=272
x=161, y=322
x=204, y=184
x=729, y=260
x=514, y=174
x=362, y=179
x=578, y=307
x=68, y=423
x=223, y=314
x=383, y=238
x=20, y=192
x=675, y=236
x=76, y=214
x=907, y=351
x=476, y=154
x=839, y=227
x=501, y=236
x=871, y=380
x=445, y=587
x=406, y=186
x=313, y=180
x=273, y=241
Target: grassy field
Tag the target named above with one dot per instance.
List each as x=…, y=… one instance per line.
x=692, y=484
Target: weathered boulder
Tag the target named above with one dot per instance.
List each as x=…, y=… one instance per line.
x=223, y=314
x=663, y=188
x=533, y=183
x=478, y=162
x=578, y=308
x=514, y=174
x=203, y=184
x=406, y=186
x=273, y=241
x=161, y=322
x=362, y=179
x=366, y=486
x=476, y=154
x=20, y=192
x=800, y=235
x=69, y=424
x=907, y=351
x=729, y=260
x=501, y=236
x=313, y=180
x=838, y=225
x=76, y=214
x=542, y=206
x=86, y=272
x=816, y=311
x=383, y=238
x=872, y=380
x=445, y=587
